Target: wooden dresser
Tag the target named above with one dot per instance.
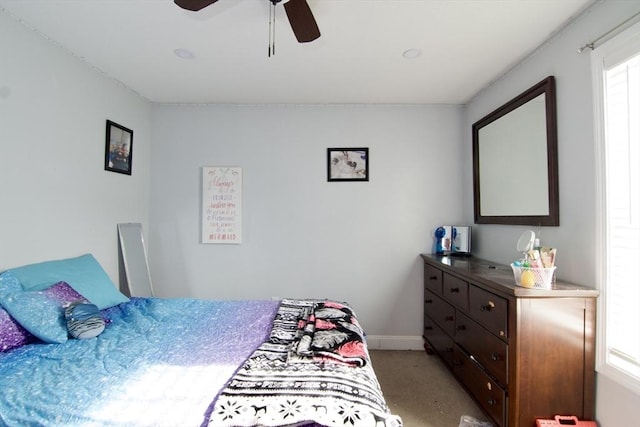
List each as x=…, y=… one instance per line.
x=520, y=353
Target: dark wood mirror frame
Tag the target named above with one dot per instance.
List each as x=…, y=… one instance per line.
x=546, y=87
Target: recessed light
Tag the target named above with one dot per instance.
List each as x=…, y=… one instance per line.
x=411, y=53
x=184, y=53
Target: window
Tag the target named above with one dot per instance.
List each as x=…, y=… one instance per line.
x=616, y=73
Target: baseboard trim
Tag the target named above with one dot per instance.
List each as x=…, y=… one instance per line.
x=395, y=342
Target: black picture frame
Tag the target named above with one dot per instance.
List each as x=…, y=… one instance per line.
x=348, y=164
x=118, y=148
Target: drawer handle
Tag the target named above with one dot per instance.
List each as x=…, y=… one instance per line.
x=448, y=318
x=496, y=357
x=455, y=290
x=433, y=277
x=428, y=301
x=428, y=328
x=490, y=306
x=492, y=402
x=461, y=328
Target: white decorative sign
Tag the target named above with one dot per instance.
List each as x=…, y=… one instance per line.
x=221, y=204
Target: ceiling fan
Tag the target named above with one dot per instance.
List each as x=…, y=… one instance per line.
x=300, y=17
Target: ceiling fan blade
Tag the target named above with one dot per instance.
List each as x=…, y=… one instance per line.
x=194, y=5
x=302, y=22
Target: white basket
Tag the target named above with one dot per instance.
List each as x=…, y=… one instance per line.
x=542, y=277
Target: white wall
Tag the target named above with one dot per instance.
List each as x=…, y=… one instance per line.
x=56, y=199
x=575, y=237
x=303, y=236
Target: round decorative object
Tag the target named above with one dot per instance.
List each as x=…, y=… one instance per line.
x=84, y=320
x=525, y=242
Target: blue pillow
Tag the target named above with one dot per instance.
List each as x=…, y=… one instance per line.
x=9, y=283
x=40, y=312
x=84, y=274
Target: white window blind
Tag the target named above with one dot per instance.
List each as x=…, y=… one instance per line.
x=617, y=66
x=622, y=143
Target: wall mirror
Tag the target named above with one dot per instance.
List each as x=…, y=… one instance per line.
x=515, y=161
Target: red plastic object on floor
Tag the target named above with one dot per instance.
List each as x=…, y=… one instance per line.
x=561, y=420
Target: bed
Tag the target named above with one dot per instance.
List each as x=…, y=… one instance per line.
x=177, y=362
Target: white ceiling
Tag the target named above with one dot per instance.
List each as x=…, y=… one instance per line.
x=465, y=45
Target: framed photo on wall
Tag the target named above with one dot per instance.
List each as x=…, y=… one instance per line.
x=118, y=149
x=348, y=164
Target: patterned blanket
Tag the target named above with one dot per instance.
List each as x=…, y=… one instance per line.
x=314, y=368
x=328, y=330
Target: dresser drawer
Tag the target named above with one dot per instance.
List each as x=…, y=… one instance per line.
x=439, y=340
x=483, y=388
x=433, y=279
x=456, y=291
x=440, y=311
x=490, y=351
x=490, y=310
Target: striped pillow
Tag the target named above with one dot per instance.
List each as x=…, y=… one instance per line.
x=83, y=320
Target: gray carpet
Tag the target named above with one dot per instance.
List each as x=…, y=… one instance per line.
x=419, y=388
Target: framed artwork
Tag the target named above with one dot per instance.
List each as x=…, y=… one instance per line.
x=118, y=149
x=221, y=204
x=347, y=164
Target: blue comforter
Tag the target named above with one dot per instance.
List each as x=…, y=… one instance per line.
x=159, y=362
